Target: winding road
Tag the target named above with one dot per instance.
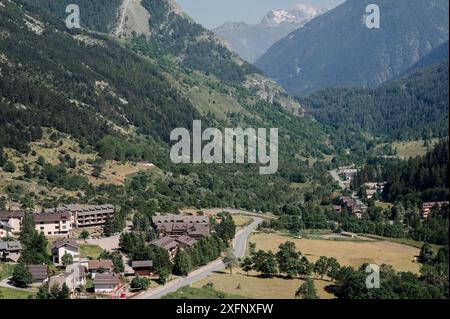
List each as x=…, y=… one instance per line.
x=239, y=246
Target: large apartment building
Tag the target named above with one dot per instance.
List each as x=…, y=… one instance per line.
x=90, y=215
x=56, y=223
x=176, y=225
x=83, y=216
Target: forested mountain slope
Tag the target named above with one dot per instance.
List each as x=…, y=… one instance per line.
x=415, y=106
x=117, y=99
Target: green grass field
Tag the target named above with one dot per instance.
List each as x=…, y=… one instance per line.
x=90, y=251
x=205, y=292
x=407, y=149
x=6, y=270
x=6, y=293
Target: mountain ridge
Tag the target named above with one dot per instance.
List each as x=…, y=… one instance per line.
x=250, y=41
x=337, y=49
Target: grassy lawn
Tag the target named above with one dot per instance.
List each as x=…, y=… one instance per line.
x=255, y=287
x=407, y=149
x=7, y=293
x=90, y=251
x=204, y=292
x=242, y=221
x=6, y=270
x=348, y=253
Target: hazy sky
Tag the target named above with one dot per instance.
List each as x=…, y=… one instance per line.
x=213, y=13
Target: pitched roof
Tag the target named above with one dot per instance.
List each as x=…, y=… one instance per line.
x=5, y=225
x=142, y=264
x=7, y=214
x=201, y=230
x=106, y=279
x=165, y=242
x=82, y=270
x=97, y=264
x=10, y=245
x=58, y=280
x=72, y=242
x=171, y=218
x=38, y=272
x=52, y=217
x=186, y=240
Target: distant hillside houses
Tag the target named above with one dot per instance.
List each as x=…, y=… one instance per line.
x=57, y=221
x=374, y=188
x=428, y=206
x=347, y=173
x=353, y=206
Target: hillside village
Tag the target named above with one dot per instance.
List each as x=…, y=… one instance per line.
x=93, y=206
x=68, y=227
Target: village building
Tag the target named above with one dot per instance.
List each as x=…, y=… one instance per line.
x=10, y=251
x=353, y=206
x=428, y=206
x=98, y=266
x=186, y=241
x=348, y=234
x=55, y=223
x=76, y=275
x=85, y=216
x=14, y=219
x=373, y=188
x=106, y=283
x=347, y=173
x=143, y=267
x=90, y=215
x=167, y=243
x=39, y=273
x=5, y=230
x=65, y=246
x=178, y=225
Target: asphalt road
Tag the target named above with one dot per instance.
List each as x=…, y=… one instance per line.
x=239, y=246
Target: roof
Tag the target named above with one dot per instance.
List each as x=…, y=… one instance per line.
x=142, y=264
x=201, y=230
x=82, y=270
x=58, y=280
x=10, y=245
x=38, y=272
x=106, y=279
x=165, y=242
x=72, y=242
x=171, y=218
x=89, y=209
x=52, y=217
x=97, y=264
x=186, y=240
x=7, y=214
x=5, y=225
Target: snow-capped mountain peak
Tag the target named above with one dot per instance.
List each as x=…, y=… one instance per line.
x=299, y=15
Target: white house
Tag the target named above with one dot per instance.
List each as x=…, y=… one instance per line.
x=106, y=283
x=65, y=246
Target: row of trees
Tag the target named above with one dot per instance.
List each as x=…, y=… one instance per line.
x=290, y=262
